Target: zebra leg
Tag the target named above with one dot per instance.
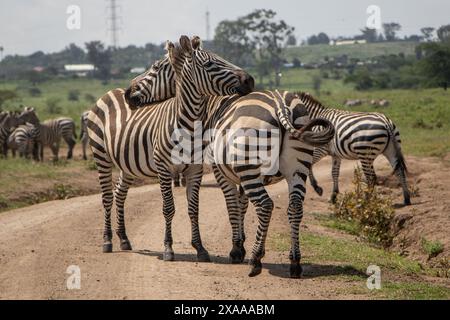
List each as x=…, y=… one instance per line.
x=55, y=151
x=335, y=174
x=176, y=180
x=105, y=179
x=193, y=176
x=165, y=183
x=319, y=153
x=295, y=215
x=243, y=204
x=84, y=143
x=120, y=194
x=369, y=172
x=71, y=143
x=255, y=191
x=231, y=195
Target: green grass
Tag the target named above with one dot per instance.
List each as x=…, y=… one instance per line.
x=316, y=53
x=58, y=89
x=352, y=258
x=432, y=248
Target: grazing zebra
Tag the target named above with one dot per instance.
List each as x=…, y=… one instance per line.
x=84, y=134
x=359, y=136
x=139, y=142
x=8, y=121
x=50, y=133
x=260, y=112
x=24, y=140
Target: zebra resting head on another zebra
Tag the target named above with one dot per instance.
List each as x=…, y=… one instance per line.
x=142, y=90
x=139, y=142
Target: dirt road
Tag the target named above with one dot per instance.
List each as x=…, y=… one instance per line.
x=40, y=242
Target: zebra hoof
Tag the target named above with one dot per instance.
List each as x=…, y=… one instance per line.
x=237, y=255
x=203, y=256
x=333, y=198
x=256, y=268
x=296, y=271
x=169, y=256
x=107, y=247
x=125, y=245
x=318, y=190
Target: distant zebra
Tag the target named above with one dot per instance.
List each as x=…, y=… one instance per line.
x=84, y=137
x=139, y=142
x=50, y=133
x=259, y=112
x=359, y=136
x=8, y=121
x=24, y=140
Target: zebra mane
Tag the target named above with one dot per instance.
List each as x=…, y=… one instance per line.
x=308, y=99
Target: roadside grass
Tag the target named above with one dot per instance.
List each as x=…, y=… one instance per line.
x=25, y=182
x=353, y=258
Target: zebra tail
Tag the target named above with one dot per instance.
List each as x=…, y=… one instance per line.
x=305, y=134
x=401, y=163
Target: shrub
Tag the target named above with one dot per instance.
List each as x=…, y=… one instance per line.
x=73, y=95
x=35, y=92
x=53, y=105
x=432, y=248
x=89, y=98
x=372, y=211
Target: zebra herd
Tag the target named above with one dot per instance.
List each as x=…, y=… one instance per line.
x=135, y=130
x=24, y=133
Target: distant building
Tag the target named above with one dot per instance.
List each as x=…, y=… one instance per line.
x=81, y=70
x=38, y=69
x=137, y=70
x=347, y=42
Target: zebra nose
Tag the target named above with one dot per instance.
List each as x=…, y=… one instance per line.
x=247, y=83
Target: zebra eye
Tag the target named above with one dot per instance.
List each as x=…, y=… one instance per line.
x=208, y=64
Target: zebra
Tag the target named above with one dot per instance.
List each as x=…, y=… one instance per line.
x=359, y=136
x=50, y=133
x=139, y=142
x=261, y=111
x=8, y=121
x=83, y=134
x=24, y=140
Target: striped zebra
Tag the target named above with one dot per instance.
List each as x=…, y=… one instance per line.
x=359, y=136
x=24, y=140
x=84, y=137
x=8, y=121
x=259, y=112
x=50, y=133
x=139, y=142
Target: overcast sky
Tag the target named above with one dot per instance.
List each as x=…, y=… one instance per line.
x=27, y=26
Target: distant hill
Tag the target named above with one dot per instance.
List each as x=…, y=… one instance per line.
x=316, y=53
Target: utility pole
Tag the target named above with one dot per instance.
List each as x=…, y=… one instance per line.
x=208, y=26
x=113, y=19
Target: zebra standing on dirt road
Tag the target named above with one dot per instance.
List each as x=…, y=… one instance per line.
x=139, y=142
x=50, y=133
x=359, y=136
x=261, y=111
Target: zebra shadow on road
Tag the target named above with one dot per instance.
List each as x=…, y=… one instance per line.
x=310, y=270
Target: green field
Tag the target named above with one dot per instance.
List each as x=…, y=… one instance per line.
x=316, y=53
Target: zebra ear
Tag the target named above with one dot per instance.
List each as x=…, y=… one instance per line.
x=196, y=43
x=186, y=45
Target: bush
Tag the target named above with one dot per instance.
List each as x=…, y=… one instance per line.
x=35, y=92
x=53, y=105
x=89, y=98
x=73, y=95
x=372, y=211
x=432, y=248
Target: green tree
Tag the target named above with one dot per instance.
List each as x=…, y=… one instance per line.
x=390, y=30
x=443, y=33
x=100, y=58
x=370, y=35
x=435, y=64
x=427, y=33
